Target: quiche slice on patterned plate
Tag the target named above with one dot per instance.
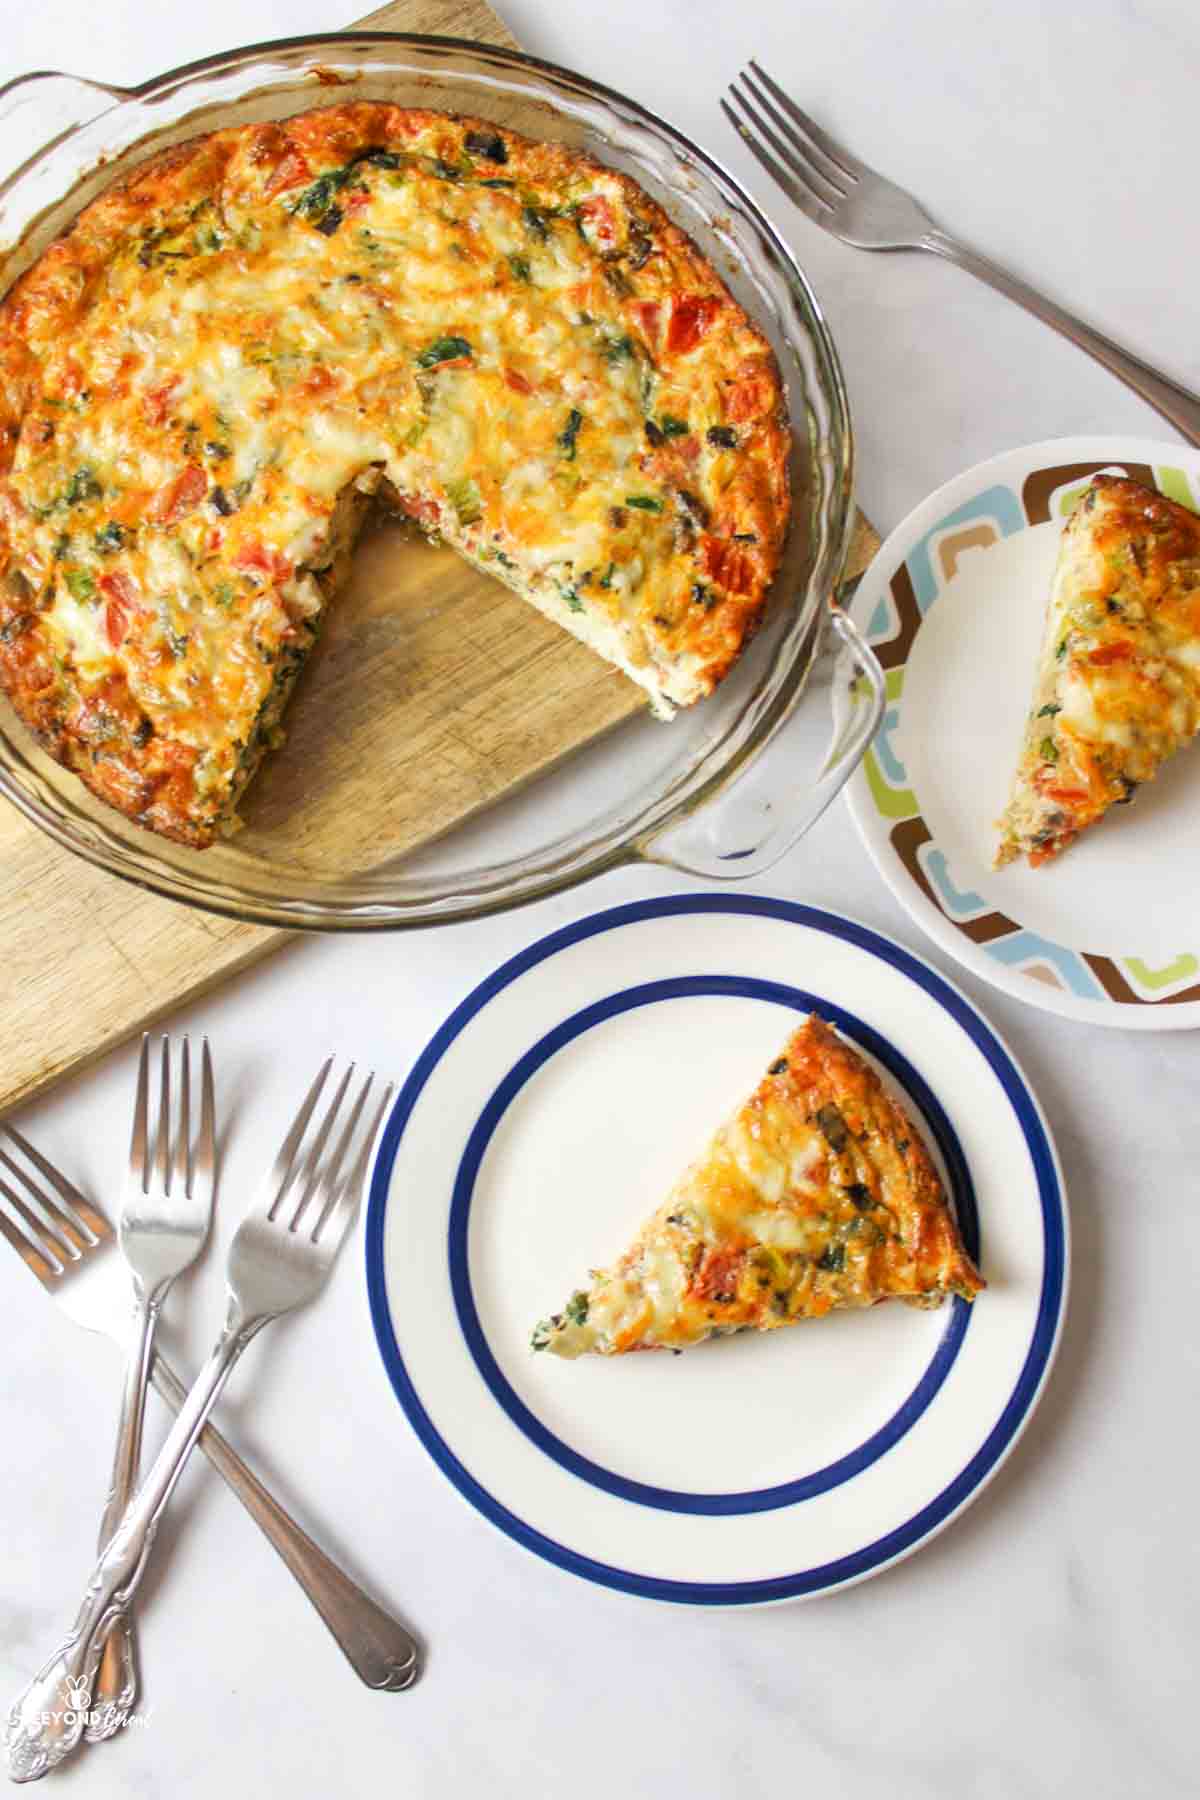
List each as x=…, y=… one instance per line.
x=1118, y=685
x=818, y=1193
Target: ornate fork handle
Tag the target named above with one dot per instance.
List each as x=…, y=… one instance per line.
x=1176, y=404
x=47, y=1721
x=115, y=1686
x=381, y=1652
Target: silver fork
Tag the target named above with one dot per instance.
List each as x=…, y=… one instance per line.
x=164, y=1221
x=68, y=1243
x=861, y=207
x=280, y=1258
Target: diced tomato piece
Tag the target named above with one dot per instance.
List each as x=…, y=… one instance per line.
x=750, y=398
x=70, y=379
x=355, y=199
x=181, y=495
x=716, y=1276
x=320, y=381
x=260, y=557
x=690, y=320
x=723, y=562
x=157, y=402
x=1121, y=651
x=122, y=602
x=514, y=379
x=1063, y=796
x=646, y=312
x=289, y=173
x=598, y=213
x=425, y=511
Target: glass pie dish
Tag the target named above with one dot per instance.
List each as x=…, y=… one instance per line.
x=392, y=802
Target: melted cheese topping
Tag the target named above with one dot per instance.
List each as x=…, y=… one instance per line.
x=1118, y=689
x=816, y=1194
x=508, y=339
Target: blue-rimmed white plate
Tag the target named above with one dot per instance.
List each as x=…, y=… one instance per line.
x=953, y=606
x=549, y=1115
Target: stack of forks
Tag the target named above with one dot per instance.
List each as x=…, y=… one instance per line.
x=116, y=1283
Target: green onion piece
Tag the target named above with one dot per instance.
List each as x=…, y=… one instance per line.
x=442, y=350
x=80, y=583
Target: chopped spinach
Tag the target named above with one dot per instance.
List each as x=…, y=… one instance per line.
x=488, y=144
x=1048, y=750
x=778, y=1066
x=644, y=502
x=443, y=350
x=860, y=1194
x=576, y=1309
x=520, y=267
x=833, y=1127
x=316, y=200
x=672, y=427
x=722, y=437
x=379, y=159
x=832, y=1257
x=110, y=537
x=569, y=433
x=330, y=222
x=1048, y=712
x=83, y=485
x=617, y=349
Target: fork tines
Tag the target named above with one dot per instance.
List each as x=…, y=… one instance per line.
x=814, y=170
x=192, y=1161
x=48, y=1222
x=303, y=1173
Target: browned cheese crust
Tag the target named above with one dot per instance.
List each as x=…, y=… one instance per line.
x=505, y=338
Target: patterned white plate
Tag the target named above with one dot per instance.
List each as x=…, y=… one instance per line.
x=953, y=606
x=547, y=1117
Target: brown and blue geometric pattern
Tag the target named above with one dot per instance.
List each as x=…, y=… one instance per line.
x=995, y=513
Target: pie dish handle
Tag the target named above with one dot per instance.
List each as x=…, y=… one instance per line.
x=747, y=829
x=39, y=108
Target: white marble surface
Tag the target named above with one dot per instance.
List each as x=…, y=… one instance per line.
x=1046, y=1644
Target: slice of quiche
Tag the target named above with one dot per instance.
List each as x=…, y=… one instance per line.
x=817, y=1193
x=1118, y=685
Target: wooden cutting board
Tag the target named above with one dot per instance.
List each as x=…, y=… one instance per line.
x=89, y=960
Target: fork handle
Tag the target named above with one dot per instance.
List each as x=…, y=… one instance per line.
x=47, y=1720
x=378, y=1648
x=1176, y=404
x=116, y=1675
